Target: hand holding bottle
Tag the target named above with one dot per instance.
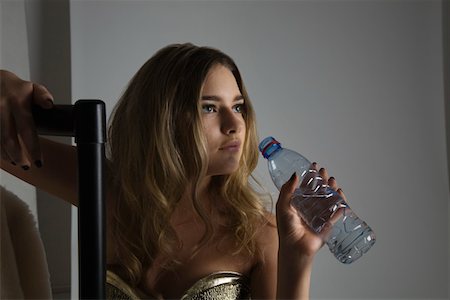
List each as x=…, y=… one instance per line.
x=298, y=243
x=293, y=231
x=318, y=204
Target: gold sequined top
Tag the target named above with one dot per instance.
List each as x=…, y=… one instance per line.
x=217, y=286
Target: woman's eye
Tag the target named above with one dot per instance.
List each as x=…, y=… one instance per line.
x=239, y=108
x=207, y=108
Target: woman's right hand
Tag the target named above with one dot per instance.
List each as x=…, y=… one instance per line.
x=19, y=139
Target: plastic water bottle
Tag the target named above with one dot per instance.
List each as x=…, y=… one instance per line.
x=318, y=204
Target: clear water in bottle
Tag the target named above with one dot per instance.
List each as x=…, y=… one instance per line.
x=318, y=204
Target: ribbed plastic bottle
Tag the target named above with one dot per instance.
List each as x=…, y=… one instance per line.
x=317, y=203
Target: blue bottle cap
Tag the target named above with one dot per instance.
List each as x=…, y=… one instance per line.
x=268, y=146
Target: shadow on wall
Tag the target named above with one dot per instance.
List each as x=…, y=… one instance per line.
x=48, y=34
x=446, y=51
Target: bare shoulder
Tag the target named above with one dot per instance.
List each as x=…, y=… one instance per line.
x=267, y=234
x=267, y=243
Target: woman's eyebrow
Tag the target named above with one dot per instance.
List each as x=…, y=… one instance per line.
x=217, y=98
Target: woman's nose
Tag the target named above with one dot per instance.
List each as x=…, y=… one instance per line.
x=232, y=122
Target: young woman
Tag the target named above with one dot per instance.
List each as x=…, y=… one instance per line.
x=182, y=217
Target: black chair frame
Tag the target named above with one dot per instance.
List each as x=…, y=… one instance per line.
x=86, y=122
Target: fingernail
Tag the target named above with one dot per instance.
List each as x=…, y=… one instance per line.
x=38, y=163
x=13, y=163
x=25, y=168
x=293, y=176
x=331, y=178
x=49, y=103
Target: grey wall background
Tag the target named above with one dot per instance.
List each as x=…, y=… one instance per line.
x=357, y=86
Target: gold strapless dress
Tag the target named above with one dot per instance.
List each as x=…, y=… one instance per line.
x=217, y=286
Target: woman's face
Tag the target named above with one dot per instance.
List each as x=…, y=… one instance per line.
x=223, y=120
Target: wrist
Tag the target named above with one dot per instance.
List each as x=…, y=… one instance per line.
x=295, y=252
x=294, y=260
x=294, y=274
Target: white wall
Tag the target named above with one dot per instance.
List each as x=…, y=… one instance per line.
x=355, y=86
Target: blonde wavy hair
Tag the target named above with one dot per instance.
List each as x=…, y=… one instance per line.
x=157, y=149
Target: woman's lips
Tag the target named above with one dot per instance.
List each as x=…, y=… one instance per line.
x=232, y=146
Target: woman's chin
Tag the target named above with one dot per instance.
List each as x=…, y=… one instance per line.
x=226, y=170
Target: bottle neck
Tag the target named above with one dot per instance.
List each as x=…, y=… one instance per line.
x=271, y=149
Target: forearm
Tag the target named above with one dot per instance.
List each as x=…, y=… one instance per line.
x=294, y=275
x=57, y=176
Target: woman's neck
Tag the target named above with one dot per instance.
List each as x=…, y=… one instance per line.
x=185, y=207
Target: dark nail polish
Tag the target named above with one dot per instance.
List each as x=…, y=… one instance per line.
x=38, y=163
x=49, y=104
x=293, y=176
x=25, y=168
